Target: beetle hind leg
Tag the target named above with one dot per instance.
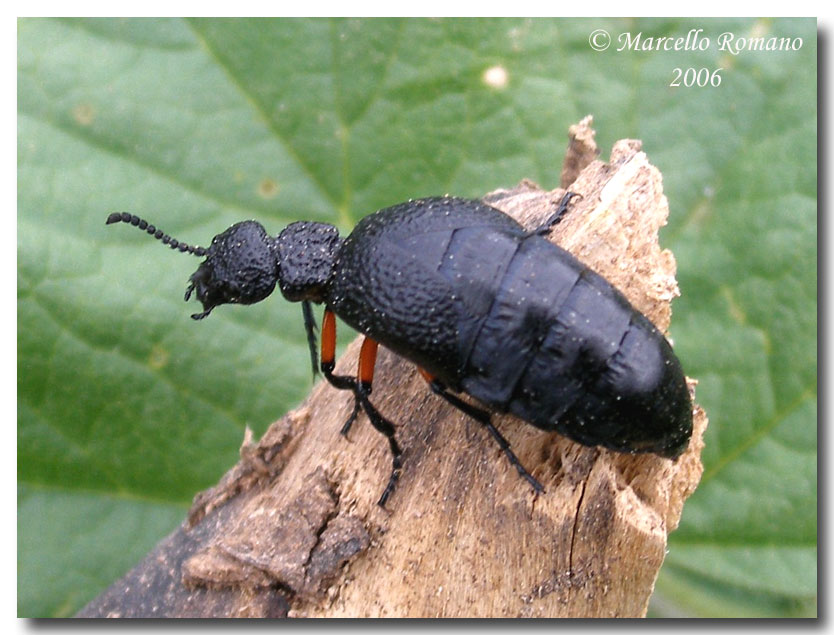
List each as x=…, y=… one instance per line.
x=484, y=418
x=557, y=216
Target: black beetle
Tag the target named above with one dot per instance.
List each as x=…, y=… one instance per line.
x=480, y=304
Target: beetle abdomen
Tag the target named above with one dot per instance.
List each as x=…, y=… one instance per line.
x=563, y=349
x=650, y=410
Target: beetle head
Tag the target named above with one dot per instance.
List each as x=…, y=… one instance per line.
x=240, y=268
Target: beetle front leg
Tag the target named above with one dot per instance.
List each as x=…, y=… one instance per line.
x=361, y=387
x=328, y=363
x=310, y=327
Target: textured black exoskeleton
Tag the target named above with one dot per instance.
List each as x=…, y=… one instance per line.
x=481, y=305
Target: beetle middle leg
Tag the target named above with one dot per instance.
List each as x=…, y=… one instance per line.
x=361, y=387
x=484, y=418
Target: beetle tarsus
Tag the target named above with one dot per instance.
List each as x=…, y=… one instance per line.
x=200, y=316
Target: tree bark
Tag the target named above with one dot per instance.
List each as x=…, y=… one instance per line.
x=294, y=529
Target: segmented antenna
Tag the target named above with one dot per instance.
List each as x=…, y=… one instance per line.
x=173, y=243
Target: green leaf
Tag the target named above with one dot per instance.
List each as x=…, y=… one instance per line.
x=126, y=407
x=70, y=543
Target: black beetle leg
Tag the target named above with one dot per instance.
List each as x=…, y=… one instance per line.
x=361, y=388
x=380, y=423
x=483, y=417
x=310, y=327
x=557, y=216
x=328, y=363
x=349, y=422
x=387, y=428
x=343, y=382
x=365, y=378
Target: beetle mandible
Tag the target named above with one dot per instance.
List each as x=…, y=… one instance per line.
x=481, y=306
